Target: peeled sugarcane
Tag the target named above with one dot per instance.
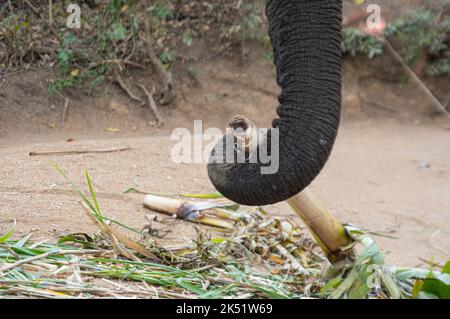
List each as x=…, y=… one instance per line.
x=207, y=213
x=329, y=234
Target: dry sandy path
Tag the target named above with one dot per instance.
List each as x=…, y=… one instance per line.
x=381, y=176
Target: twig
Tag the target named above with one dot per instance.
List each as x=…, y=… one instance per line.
x=80, y=252
x=11, y=9
x=77, y=152
x=50, y=12
x=128, y=91
x=221, y=51
x=26, y=261
x=437, y=105
x=32, y=6
x=118, y=62
x=129, y=62
x=167, y=95
x=152, y=104
x=64, y=114
x=431, y=263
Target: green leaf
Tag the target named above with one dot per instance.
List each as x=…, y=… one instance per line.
x=193, y=71
x=219, y=240
x=161, y=11
x=330, y=286
x=416, y=273
x=434, y=283
x=23, y=25
x=83, y=239
x=82, y=195
x=8, y=234
x=437, y=287
x=23, y=240
x=168, y=56
x=446, y=269
x=418, y=284
x=91, y=190
x=118, y=32
x=187, y=38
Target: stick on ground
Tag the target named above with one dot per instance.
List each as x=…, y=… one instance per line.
x=78, y=152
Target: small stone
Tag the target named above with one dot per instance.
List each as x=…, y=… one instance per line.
x=425, y=165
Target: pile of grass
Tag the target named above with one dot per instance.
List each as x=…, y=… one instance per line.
x=254, y=262
x=264, y=257
x=60, y=271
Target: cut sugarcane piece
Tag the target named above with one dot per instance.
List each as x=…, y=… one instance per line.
x=164, y=205
x=215, y=222
x=228, y=214
x=330, y=235
x=189, y=210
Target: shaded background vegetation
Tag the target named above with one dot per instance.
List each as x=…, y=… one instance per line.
x=112, y=38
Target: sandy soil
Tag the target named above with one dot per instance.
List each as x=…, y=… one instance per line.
x=382, y=176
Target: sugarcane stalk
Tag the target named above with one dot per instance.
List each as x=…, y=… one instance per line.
x=328, y=232
x=173, y=206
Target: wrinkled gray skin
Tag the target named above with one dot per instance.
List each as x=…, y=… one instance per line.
x=306, y=39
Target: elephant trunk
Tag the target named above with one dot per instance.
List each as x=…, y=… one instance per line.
x=306, y=40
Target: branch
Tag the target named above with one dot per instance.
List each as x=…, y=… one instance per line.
x=64, y=114
x=48, y=153
x=152, y=103
x=167, y=94
x=437, y=105
x=128, y=91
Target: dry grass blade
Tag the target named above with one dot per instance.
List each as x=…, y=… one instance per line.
x=115, y=242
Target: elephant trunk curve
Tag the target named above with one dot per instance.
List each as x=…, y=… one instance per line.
x=306, y=40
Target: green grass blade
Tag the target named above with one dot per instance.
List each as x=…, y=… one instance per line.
x=91, y=190
x=75, y=187
x=9, y=233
